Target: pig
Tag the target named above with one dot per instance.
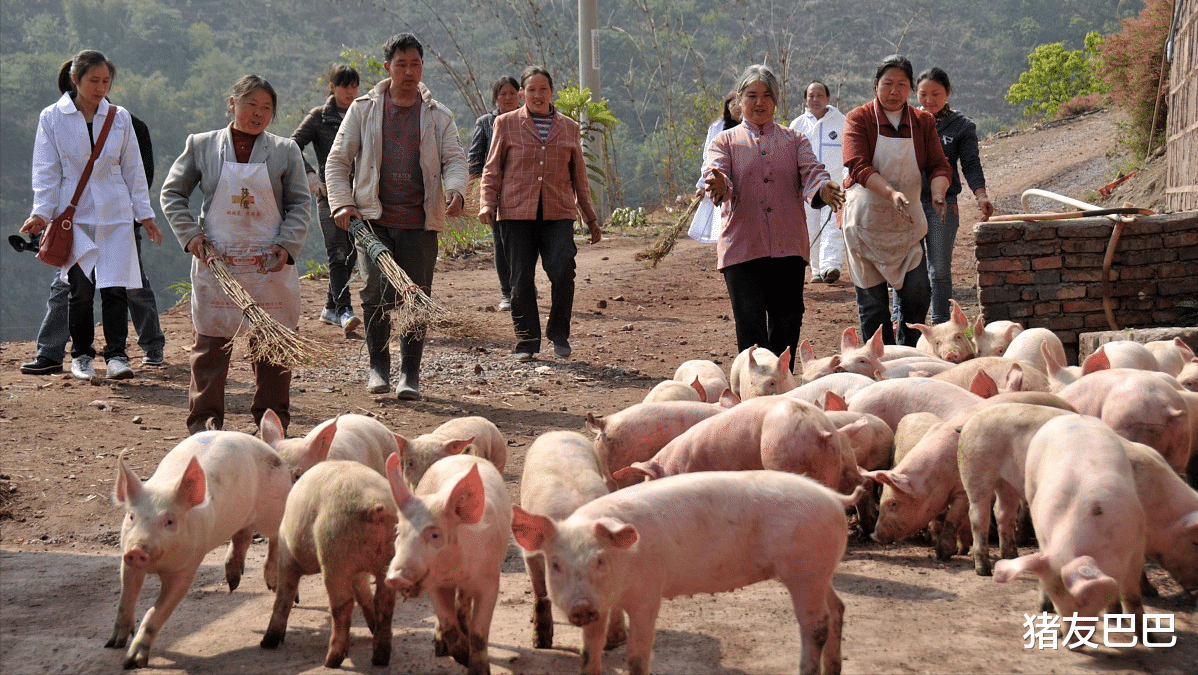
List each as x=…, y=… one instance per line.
x=1129, y=354
x=1061, y=375
x=474, y=435
x=451, y=540
x=915, y=366
x=843, y=384
x=1171, y=355
x=1140, y=406
x=673, y=390
x=210, y=488
x=1171, y=513
x=947, y=340
x=871, y=439
x=757, y=372
x=891, y=399
x=696, y=533
x=637, y=432
x=356, y=438
x=709, y=373
x=892, y=352
x=1026, y=347
x=340, y=522
x=1088, y=519
x=561, y=473
x=768, y=432
x=863, y=359
x=1008, y=374
x=990, y=457
x=911, y=428
x=992, y=339
x=1188, y=377
x=813, y=368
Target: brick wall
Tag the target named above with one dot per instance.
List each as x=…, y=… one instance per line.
x=1049, y=274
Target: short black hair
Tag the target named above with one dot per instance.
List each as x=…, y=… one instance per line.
x=827, y=91
x=497, y=85
x=248, y=84
x=402, y=43
x=938, y=76
x=895, y=61
x=535, y=70
x=343, y=76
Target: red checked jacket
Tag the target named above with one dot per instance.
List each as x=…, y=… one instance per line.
x=521, y=170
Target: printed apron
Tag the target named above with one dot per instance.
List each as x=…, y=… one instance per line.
x=882, y=246
x=242, y=224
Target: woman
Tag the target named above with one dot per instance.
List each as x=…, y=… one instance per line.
x=104, y=253
x=959, y=139
x=889, y=147
x=534, y=185
x=255, y=217
x=320, y=128
x=760, y=174
x=705, y=226
x=505, y=96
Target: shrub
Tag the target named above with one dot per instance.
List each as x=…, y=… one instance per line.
x=1131, y=64
x=1081, y=104
x=1056, y=75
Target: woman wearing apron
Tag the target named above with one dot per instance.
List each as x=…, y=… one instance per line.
x=888, y=147
x=255, y=216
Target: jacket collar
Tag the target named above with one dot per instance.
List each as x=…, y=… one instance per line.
x=259, y=154
x=527, y=122
x=66, y=106
x=384, y=86
x=330, y=113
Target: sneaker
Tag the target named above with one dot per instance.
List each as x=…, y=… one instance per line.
x=524, y=357
x=831, y=276
x=41, y=366
x=81, y=368
x=562, y=349
x=349, y=321
x=153, y=359
x=505, y=303
x=329, y=316
x=118, y=368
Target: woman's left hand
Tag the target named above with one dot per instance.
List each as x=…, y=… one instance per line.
x=34, y=225
x=939, y=206
x=453, y=205
x=596, y=233
x=280, y=256
x=152, y=230
x=986, y=206
x=832, y=194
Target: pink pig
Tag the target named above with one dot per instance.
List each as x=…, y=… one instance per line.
x=947, y=340
x=637, y=432
x=696, y=533
x=709, y=374
x=355, y=438
x=992, y=339
x=757, y=372
x=472, y=435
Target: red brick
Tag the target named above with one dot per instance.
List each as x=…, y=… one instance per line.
x=1083, y=276
x=1001, y=265
x=1050, y=263
x=1019, y=278
x=1081, y=306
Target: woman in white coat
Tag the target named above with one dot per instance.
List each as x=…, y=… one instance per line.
x=255, y=216
x=706, y=225
x=104, y=253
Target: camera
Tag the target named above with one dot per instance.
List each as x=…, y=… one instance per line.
x=20, y=244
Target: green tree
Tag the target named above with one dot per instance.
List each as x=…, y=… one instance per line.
x=1056, y=75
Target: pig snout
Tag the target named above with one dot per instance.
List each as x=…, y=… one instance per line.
x=405, y=582
x=137, y=557
x=583, y=613
x=953, y=356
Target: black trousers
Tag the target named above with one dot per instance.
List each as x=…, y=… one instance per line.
x=767, y=302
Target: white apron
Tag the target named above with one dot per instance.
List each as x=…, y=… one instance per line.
x=882, y=246
x=242, y=225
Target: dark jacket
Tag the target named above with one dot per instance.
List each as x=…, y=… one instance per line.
x=319, y=128
x=959, y=138
x=480, y=142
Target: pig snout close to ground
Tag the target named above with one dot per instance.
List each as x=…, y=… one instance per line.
x=768, y=432
x=1171, y=513
x=639, y=431
x=355, y=438
x=451, y=540
x=709, y=374
x=210, y=488
x=561, y=473
x=340, y=522
x=473, y=435
x=696, y=533
x=756, y=371
x=1088, y=519
x=947, y=340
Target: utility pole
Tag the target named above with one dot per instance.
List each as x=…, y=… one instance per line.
x=588, y=77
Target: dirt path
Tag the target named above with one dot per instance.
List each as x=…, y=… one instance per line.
x=906, y=612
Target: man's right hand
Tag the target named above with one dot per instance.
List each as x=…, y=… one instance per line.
x=344, y=215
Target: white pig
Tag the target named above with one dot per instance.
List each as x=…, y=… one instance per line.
x=210, y=488
x=992, y=339
x=561, y=473
x=863, y=359
x=1061, y=375
x=1171, y=355
x=340, y=522
x=710, y=375
x=474, y=435
x=451, y=541
x=1008, y=374
x=892, y=399
x=757, y=372
x=1026, y=347
x=813, y=367
x=1171, y=512
x=355, y=438
x=695, y=533
x=1129, y=354
x=673, y=390
x=637, y=432
x=843, y=384
x=1188, y=377
x=947, y=340
x=1087, y=516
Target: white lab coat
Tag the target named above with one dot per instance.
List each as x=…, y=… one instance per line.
x=826, y=137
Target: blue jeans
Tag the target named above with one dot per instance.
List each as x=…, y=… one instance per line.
x=767, y=302
x=552, y=241
x=940, y=240
x=342, y=256
x=873, y=307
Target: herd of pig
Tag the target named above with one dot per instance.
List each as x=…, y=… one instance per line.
x=716, y=481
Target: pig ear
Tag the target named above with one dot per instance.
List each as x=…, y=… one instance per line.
x=958, y=315
x=752, y=361
x=531, y=530
x=594, y=424
x=128, y=485
x=468, y=499
x=1186, y=352
x=848, y=339
x=806, y=352
x=983, y=385
x=876, y=346
x=699, y=388
x=1014, y=378
x=729, y=399
x=1009, y=570
x=897, y=481
x=784, y=362
x=270, y=429
x=1050, y=360
x=192, y=486
x=399, y=489
x=630, y=475
x=979, y=327
x=1095, y=362
x=457, y=446
x=619, y=534
x=318, y=447
x=834, y=401
x=402, y=443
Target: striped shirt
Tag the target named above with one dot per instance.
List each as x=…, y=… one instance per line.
x=543, y=123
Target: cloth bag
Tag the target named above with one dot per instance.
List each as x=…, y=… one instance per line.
x=54, y=247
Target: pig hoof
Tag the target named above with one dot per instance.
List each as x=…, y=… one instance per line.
x=381, y=655
x=140, y=661
x=271, y=641
x=615, y=641
x=234, y=582
x=440, y=648
x=334, y=660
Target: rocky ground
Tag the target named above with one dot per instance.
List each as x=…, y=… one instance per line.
x=906, y=612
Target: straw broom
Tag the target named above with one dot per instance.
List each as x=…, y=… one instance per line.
x=417, y=311
x=665, y=241
x=268, y=340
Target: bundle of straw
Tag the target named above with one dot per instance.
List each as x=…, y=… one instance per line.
x=417, y=311
x=268, y=340
x=665, y=241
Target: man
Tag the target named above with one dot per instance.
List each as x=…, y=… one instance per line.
x=409, y=174
x=823, y=125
